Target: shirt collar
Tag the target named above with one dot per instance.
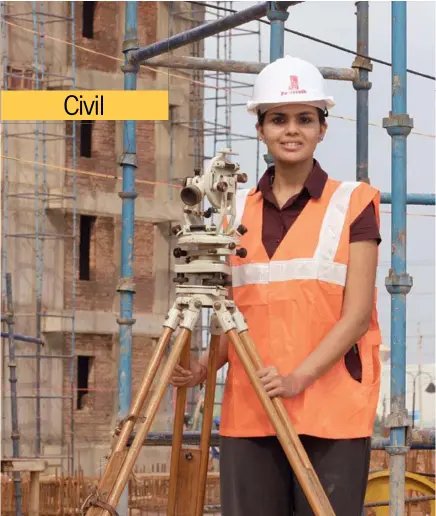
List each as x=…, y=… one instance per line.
x=314, y=183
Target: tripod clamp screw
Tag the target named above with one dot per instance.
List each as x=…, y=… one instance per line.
x=241, y=229
x=176, y=229
x=242, y=252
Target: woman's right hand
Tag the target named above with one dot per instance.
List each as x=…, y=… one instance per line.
x=188, y=377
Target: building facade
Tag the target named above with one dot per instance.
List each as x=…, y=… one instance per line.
x=62, y=221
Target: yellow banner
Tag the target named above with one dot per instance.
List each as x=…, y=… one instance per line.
x=33, y=105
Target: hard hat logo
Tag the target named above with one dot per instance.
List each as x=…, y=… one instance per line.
x=293, y=85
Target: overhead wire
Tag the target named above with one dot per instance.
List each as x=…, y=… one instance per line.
x=187, y=78
x=321, y=41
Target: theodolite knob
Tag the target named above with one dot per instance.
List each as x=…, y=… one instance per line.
x=178, y=252
x=242, y=252
x=241, y=229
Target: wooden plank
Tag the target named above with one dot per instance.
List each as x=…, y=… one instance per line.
x=187, y=481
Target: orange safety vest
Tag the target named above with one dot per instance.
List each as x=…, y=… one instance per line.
x=290, y=303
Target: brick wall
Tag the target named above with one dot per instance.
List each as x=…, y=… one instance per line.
x=94, y=423
x=105, y=40
x=144, y=245
x=103, y=158
x=98, y=292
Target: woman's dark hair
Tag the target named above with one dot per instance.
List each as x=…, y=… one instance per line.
x=322, y=115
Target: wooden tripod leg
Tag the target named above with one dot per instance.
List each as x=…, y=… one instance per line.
x=209, y=401
x=319, y=502
x=176, y=445
x=281, y=411
x=134, y=413
x=119, y=478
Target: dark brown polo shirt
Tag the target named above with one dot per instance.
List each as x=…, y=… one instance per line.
x=276, y=223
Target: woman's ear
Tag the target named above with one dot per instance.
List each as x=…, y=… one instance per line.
x=259, y=132
x=323, y=131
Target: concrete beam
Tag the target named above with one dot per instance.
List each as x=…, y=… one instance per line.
x=87, y=321
x=249, y=67
x=109, y=204
x=22, y=465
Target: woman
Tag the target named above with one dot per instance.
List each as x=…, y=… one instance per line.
x=307, y=291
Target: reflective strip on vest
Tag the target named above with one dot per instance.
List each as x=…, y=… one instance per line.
x=241, y=197
x=321, y=266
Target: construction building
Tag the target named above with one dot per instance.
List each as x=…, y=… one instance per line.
x=62, y=221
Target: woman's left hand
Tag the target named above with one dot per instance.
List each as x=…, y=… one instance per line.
x=278, y=385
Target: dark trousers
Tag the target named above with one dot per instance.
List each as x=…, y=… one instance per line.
x=257, y=479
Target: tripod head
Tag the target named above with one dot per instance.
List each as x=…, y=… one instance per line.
x=206, y=247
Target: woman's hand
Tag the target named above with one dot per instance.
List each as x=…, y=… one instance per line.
x=278, y=385
x=189, y=377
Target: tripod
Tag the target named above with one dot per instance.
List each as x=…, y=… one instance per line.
x=188, y=471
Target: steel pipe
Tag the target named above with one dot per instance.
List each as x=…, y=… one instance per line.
x=426, y=441
x=399, y=282
x=413, y=198
x=204, y=31
x=362, y=86
x=248, y=67
x=126, y=286
x=22, y=338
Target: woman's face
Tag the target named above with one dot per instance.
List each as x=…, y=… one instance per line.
x=292, y=132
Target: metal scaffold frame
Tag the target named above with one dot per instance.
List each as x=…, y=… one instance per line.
x=36, y=76
x=398, y=125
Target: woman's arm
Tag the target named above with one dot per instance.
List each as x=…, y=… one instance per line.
x=197, y=372
x=354, y=322
x=356, y=313
x=221, y=359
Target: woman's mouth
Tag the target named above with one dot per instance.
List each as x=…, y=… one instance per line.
x=291, y=145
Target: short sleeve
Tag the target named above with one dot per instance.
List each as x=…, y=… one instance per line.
x=365, y=226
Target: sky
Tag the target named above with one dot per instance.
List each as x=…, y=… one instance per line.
x=335, y=22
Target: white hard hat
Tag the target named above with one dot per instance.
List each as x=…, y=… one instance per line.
x=289, y=80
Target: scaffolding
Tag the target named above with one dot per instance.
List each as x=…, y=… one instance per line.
x=38, y=75
x=398, y=125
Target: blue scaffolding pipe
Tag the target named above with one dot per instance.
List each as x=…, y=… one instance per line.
x=413, y=199
x=362, y=87
x=22, y=338
x=38, y=252
x=126, y=286
x=277, y=17
x=13, y=381
x=398, y=283
x=205, y=30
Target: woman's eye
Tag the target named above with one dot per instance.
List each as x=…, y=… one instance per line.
x=278, y=120
x=305, y=120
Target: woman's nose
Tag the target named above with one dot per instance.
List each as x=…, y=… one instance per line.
x=291, y=127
